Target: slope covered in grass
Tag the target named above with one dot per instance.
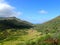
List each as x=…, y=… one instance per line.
x=42, y=34
x=20, y=36
x=31, y=37
x=10, y=24
x=50, y=26
x=13, y=22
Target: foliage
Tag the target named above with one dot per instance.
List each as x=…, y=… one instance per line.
x=51, y=26
x=42, y=34
x=15, y=23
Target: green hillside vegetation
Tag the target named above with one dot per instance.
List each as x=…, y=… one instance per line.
x=50, y=26
x=13, y=22
x=10, y=24
x=14, y=31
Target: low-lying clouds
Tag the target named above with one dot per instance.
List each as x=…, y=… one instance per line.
x=43, y=12
x=7, y=10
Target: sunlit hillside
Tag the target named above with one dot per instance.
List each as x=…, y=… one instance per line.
x=30, y=34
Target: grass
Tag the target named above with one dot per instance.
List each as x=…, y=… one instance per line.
x=32, y=37
x=13, y=40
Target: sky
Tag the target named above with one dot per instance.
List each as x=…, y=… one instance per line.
x=34, y=11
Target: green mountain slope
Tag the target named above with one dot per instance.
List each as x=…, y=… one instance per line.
x=13, y=22
x=50, y=26
x=10, y=26
x=47, y=33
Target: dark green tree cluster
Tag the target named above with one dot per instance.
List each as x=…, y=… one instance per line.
x=12, y=22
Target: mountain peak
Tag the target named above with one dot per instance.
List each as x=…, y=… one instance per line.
x=13, y=22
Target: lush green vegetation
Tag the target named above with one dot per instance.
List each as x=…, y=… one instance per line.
x=23, y=32
x=50, y=26
x=13, y=22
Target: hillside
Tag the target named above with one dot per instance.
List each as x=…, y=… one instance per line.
x=47, y=33
x=13, y=22
x=50, y=26
x=10, y=26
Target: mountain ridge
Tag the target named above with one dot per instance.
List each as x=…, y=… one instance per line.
x=13, y=22
x=53, y=24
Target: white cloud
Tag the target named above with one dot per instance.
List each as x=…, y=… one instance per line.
x=43, y=12
x=7, y=10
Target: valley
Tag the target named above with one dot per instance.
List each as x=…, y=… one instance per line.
x=25, y=33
